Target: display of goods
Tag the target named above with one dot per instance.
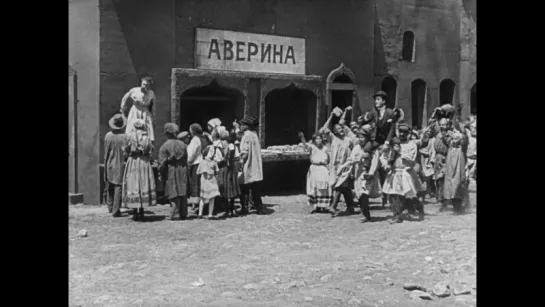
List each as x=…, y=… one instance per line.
x=287, y=148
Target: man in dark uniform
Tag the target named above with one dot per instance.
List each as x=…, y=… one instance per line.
x=383, y=120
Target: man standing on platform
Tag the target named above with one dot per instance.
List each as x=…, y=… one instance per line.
x=113, y=163
x=383, y=119
x=250, y=152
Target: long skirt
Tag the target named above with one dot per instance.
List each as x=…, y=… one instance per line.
x=455, y=171
x=318, y=189
x=231, y=188
x=402, y=182
x=138, y=183
x=194, y=181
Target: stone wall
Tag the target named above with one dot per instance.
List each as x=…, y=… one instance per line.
x=83, y=56
x=437, y=25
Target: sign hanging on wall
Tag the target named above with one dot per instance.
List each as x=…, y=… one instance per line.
x=238, y=51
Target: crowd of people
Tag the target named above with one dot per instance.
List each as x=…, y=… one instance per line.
x=380, y=156
x=377, y=156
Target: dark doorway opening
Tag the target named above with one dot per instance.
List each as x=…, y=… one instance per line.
x=341, y=98
x=446, y=92
x=288, y=111
x=473, y=101
x=418, y=101
x=389, y=85
x=200, y=104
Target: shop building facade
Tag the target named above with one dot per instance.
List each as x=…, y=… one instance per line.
x=350, y=48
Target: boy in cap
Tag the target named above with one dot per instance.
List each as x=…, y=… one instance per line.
x=114, y=157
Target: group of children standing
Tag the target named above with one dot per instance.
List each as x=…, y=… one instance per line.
x=381, y=156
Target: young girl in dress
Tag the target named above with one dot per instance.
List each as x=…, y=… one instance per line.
x=208, y=169
x=319, y=191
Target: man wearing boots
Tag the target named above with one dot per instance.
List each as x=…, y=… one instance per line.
x=113, y=163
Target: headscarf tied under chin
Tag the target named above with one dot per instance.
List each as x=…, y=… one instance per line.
x=214, y=122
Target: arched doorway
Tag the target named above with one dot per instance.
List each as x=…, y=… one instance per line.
x=446, y=92
x=389, y=85
x=418, y=102
x=200, y=104
x=288, y=111
x=341, y=90
x=473, y=101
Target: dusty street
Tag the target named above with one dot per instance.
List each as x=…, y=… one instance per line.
x=285, y=258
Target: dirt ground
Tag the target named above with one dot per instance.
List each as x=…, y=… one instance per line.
x=285, y=258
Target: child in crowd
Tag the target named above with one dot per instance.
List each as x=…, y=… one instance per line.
x=208, y=169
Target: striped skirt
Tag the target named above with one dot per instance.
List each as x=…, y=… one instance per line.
x=318, y=189
x=229, y=186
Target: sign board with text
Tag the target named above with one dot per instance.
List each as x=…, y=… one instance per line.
x=250, y=52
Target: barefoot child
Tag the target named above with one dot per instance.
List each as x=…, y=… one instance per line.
x=208, y=169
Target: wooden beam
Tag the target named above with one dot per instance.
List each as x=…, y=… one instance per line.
x=205, y=98
x=342, y=86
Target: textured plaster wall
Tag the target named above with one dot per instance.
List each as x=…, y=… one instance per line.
x=83, y=55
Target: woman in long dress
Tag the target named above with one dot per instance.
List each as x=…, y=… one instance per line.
x=319, y=191
x=138, y=182
x=143, y=99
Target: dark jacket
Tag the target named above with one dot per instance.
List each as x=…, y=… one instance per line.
x=114, y=157
x=384, y=128
x=173, y=168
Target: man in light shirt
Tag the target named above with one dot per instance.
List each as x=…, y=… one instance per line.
x=250, y=152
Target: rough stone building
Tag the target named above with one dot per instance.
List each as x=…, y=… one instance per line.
x=350, y=47
x=425, y=55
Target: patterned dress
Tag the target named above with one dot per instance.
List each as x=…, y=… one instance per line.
x=403, y=180
x=230, y=179
x=141, y=109
x=319, y=191
x=138, y=181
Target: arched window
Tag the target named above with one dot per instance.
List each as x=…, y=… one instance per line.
x=473, y=101
x=389, y=85
x=418, y=101
x=446, y=91
x=408, y=52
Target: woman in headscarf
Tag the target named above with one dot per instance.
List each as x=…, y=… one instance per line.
x=139, y=182
x=173, y=172
x=319, y=191
x=212, y=125
x=143, y=99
